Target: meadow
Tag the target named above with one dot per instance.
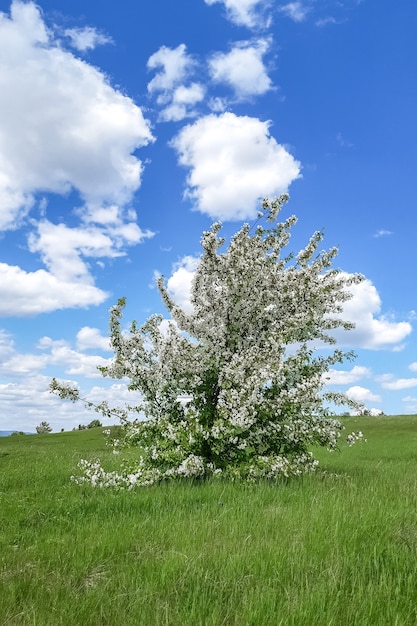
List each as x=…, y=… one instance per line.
x=338, y=548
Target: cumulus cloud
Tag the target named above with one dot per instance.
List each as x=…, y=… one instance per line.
x=389, y=381
x=86, y=38
x=115, y=395
x=24, y=389
x=373, y=330
x=362, y=395
x=25, y=404
x=30, y=293
x=91, y=339
x=28, y=402
x=67, y=281
x=62, y=247
x=12, y=363
x=174, y=67
x=62, y=125
x=233, y=162
x=296, y=11
x=182, y=103
x=243, y=12
x=179, y=283
x=342, y=377
x=75, y=363
x=242, y=68
x=63, y=128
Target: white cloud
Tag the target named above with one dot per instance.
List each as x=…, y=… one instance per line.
x=179, y=283
x=90, y=338
x=233, y=162
x=174, y=67
x=409, y=399
x=296, y=11
x=189, y=95
x=360, y=394
x=372, y=331
x=62, y=248
x=410, y=404
x=116, y=395
x=17, y=364
x=243, y=12
x=30, y=293
x=413, y=367
x=218, y=105
x=75, y=363
x=6, y=346
x=342, y=377
x=242, y=68
x=25, y=404
x=62, y=125
x=388, y=381
x=166, y=325
x=325, y=21
x=24, y=388
x=22, y=367
x=67, y=282
x=382, y=233
x=54, y=352
x=86, y=38
x=182, y=103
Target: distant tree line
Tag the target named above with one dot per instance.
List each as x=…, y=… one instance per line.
x=93, y=424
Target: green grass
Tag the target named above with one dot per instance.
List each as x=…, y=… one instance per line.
x=338, y=549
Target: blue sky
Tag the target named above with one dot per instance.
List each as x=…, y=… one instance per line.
x=126, y=129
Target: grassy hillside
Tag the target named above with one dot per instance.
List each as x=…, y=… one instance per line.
x=335, y=549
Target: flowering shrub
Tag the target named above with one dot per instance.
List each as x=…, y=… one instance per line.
x=43, y=428
x=354, y=438
x=234, y=388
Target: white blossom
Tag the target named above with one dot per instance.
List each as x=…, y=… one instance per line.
x=254, y=408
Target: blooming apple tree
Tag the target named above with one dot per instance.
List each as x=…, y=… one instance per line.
x=234, y=388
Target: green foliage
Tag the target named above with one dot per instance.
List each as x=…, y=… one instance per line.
x=95, y=424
